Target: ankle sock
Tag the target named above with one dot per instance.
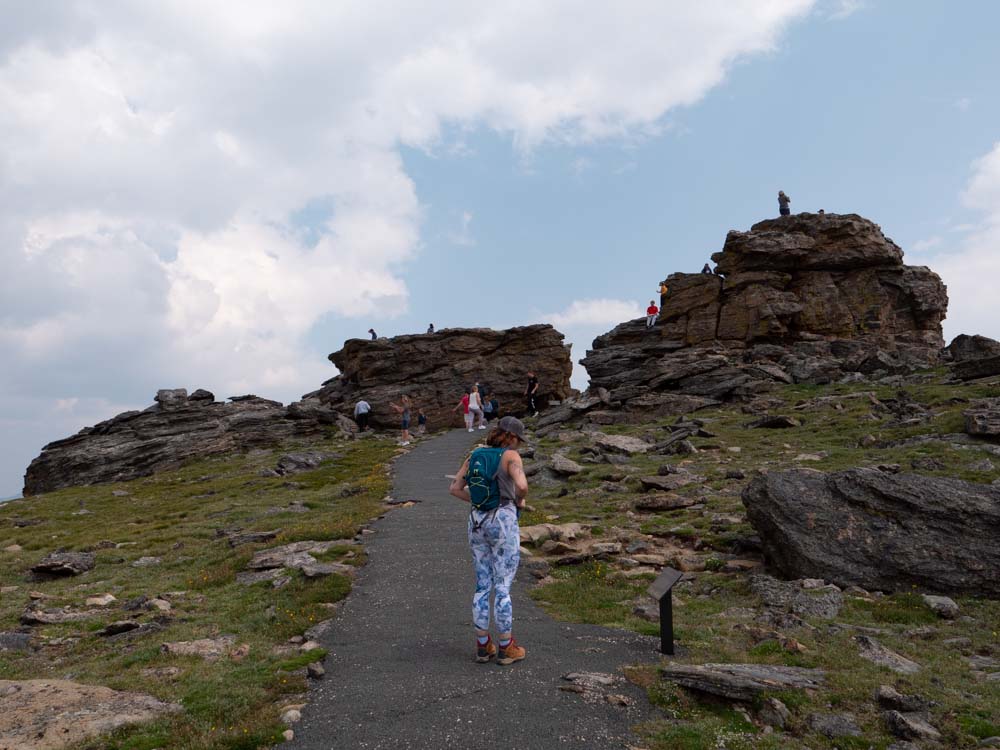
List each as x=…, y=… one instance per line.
x=482, y=640
x=505, y=644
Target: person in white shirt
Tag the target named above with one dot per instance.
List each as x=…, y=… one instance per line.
x=476, y=409
x=361, y=410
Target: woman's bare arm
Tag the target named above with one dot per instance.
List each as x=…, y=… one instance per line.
x=458, y=486
x=515, y=470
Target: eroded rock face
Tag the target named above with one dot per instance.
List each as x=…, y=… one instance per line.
x=807, y=298
x=176, y=428
x=434, y=369
x=51, y=714
x=879, y=531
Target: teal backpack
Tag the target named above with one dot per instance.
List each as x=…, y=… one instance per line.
x=484, y=490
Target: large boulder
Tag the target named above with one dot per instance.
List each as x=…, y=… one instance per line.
x=177, y=428
x=877, y=530
x=964, y=347
x=807, y=298
x=982, y=418
x=434, y=369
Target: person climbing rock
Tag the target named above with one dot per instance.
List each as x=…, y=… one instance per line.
x=403, y=409
x=373, y=334
x=783, y=201
x=706, y=269
x=492, y=481
x=652, y=313
x=663, y=294
x=530, y=393
x=361, y=411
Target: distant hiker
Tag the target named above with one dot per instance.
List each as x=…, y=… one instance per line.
x=706, y=269
x=491, y=407
x=821, y=212
x=663, y=294
x=652, y=313
x=372, y=332
x=403, y=409
x=463, y=404
x=361, y=410
x=430, y=328
x=476, y=408
x=531, y=394
x=492, y=481
x=783, y=201
x=421, y=422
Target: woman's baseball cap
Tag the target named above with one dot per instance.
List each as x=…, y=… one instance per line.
x=514, y=426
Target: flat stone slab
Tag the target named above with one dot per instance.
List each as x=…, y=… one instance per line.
x=206, y=648
x=620, y=444
x=52, y=714
x=58, y=564
x=661, y=501
x=875, y=652
x=742, y=682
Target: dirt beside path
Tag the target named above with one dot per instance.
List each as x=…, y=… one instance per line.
x=400, y=672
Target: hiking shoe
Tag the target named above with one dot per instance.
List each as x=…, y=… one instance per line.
x=510, y=654
x=486, y=651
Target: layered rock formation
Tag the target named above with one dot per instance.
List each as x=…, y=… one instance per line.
x=806, y=298
x=434, y=369
x=974, y=357
x=176, y=428
x=877, y=530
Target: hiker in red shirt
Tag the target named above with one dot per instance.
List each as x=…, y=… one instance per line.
x=652, y=313
x=463, y=404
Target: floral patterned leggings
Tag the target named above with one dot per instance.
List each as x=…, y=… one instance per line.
x=496, y=551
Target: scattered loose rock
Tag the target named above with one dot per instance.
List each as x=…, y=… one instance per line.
x=834, y=725
x=910, y=726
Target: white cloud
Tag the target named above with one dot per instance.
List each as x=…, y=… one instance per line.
x=584, y=320
x=838, y=10
x=970, y=266
x=463, y=235
x=595, y=312
x=153, y=154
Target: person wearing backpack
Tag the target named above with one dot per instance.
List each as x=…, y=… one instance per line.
x=492, y=481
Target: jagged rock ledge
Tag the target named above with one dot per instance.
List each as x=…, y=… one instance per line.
x=176, y=428
x=434, y=369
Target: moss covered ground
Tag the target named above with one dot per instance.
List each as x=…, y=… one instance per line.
x=859, y=426
x=176, y=516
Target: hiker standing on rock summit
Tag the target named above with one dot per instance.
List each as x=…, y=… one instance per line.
x=492, y=481
x=783, y=201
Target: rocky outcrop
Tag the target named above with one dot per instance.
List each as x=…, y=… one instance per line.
x=974, y=357
x=807, y=298
x=434, y=369
x=176, y=428
x=877, y=530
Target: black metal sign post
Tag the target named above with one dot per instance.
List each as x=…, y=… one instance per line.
x=661, y=589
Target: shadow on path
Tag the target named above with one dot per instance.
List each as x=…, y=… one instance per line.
x=400, y=673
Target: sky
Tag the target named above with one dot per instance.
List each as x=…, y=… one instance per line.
x=218, y=195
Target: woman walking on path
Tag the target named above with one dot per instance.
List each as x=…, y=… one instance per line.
x=492, y=480
x=476, y=409
x=403, y=409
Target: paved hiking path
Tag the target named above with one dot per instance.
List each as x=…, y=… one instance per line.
x=400, y=672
